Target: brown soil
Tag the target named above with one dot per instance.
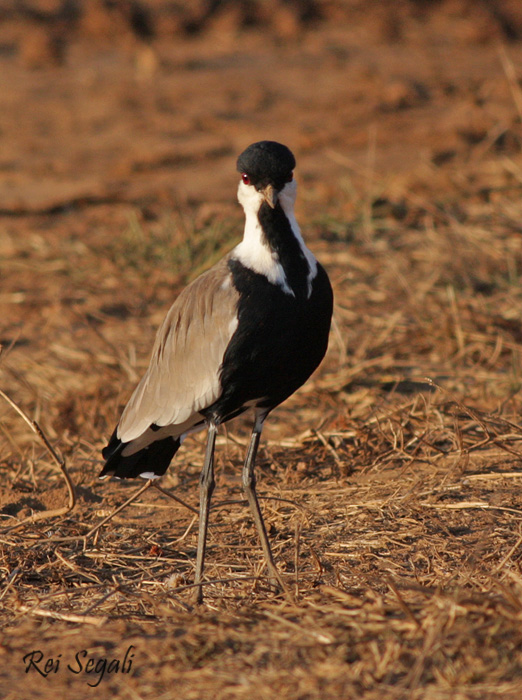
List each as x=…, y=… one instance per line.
x=391, y=481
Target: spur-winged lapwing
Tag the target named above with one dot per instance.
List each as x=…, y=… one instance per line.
x=244, y=335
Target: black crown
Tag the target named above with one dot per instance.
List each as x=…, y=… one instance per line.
x=266, y=161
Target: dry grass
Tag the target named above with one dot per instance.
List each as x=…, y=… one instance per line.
x=390, y=483
x=395, y=517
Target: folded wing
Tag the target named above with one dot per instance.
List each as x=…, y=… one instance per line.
x=183, y=376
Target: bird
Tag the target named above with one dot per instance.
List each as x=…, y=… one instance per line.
x=244, y=335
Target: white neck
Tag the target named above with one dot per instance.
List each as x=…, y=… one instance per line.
x=253, y=251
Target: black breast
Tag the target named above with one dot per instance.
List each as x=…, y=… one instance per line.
x=279, y=341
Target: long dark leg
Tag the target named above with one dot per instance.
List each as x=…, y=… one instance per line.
x=249, y=487
x=206, y=487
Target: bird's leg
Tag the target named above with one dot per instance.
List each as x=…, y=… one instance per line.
x=249, y=487
x=206, y=487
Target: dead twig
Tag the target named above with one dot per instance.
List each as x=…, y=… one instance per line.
x=511, y=76
x=68, y=617
x=402, y=603
x=508, y=556
x=60, y=463
x=135, y=495
x=175, y=498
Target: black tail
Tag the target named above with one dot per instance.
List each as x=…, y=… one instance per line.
x=153, y=459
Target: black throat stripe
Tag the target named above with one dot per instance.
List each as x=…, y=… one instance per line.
x=278, y=234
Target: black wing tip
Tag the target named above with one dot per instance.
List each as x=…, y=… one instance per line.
x=150, y=462
x=111, y=455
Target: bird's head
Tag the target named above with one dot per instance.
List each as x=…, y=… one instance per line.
x=266, y=169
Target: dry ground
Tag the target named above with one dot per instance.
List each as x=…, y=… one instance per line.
x=391, y=481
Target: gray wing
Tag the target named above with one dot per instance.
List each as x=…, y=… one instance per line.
x=183, y=374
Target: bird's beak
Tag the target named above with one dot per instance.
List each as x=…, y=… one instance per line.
x=270, y=195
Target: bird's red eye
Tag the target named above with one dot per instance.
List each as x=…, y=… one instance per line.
x=290, y=177
x=245, y=178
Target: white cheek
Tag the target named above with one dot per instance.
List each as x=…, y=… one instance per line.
x=288, y=195
x=249, y=198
